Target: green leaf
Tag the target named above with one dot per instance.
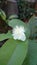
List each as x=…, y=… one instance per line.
x=2, y=14
x=19, y=54
x=5, y=36
x=32, y=52
x=13, y=52
x=13, y=17
x=31, y=59
x=17, y=22
x=6, y=51
x=33, y=26
x=26, y=61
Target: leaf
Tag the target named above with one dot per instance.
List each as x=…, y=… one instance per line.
x=0, y=13
x=26, y=61
x=32, y=52
x=13, y=17
x=3, y=15
x=13, y=52
x=17, y=22
x=31, y=58
x=5, y=36
x=19, y=54
x=33, y=26
x=6, y=51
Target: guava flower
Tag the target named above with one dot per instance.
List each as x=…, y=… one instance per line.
x=18, y=33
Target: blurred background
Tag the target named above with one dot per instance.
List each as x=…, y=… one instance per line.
x=23, y=8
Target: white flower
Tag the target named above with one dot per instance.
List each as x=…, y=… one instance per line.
x=18, y=33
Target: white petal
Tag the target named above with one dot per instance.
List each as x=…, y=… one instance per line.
x=22, y=29
x=23, y=37
x=15, y=37
x=18, y=33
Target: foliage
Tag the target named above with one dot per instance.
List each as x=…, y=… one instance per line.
x=32, y=52
x=18, y=22
x=5, y=36
x=2, y=14
x=12, y=21
x=25, y=11
x=15, y=52
x=13, y=17
x=4, y=27
x=33, y=27
x=8, y=48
